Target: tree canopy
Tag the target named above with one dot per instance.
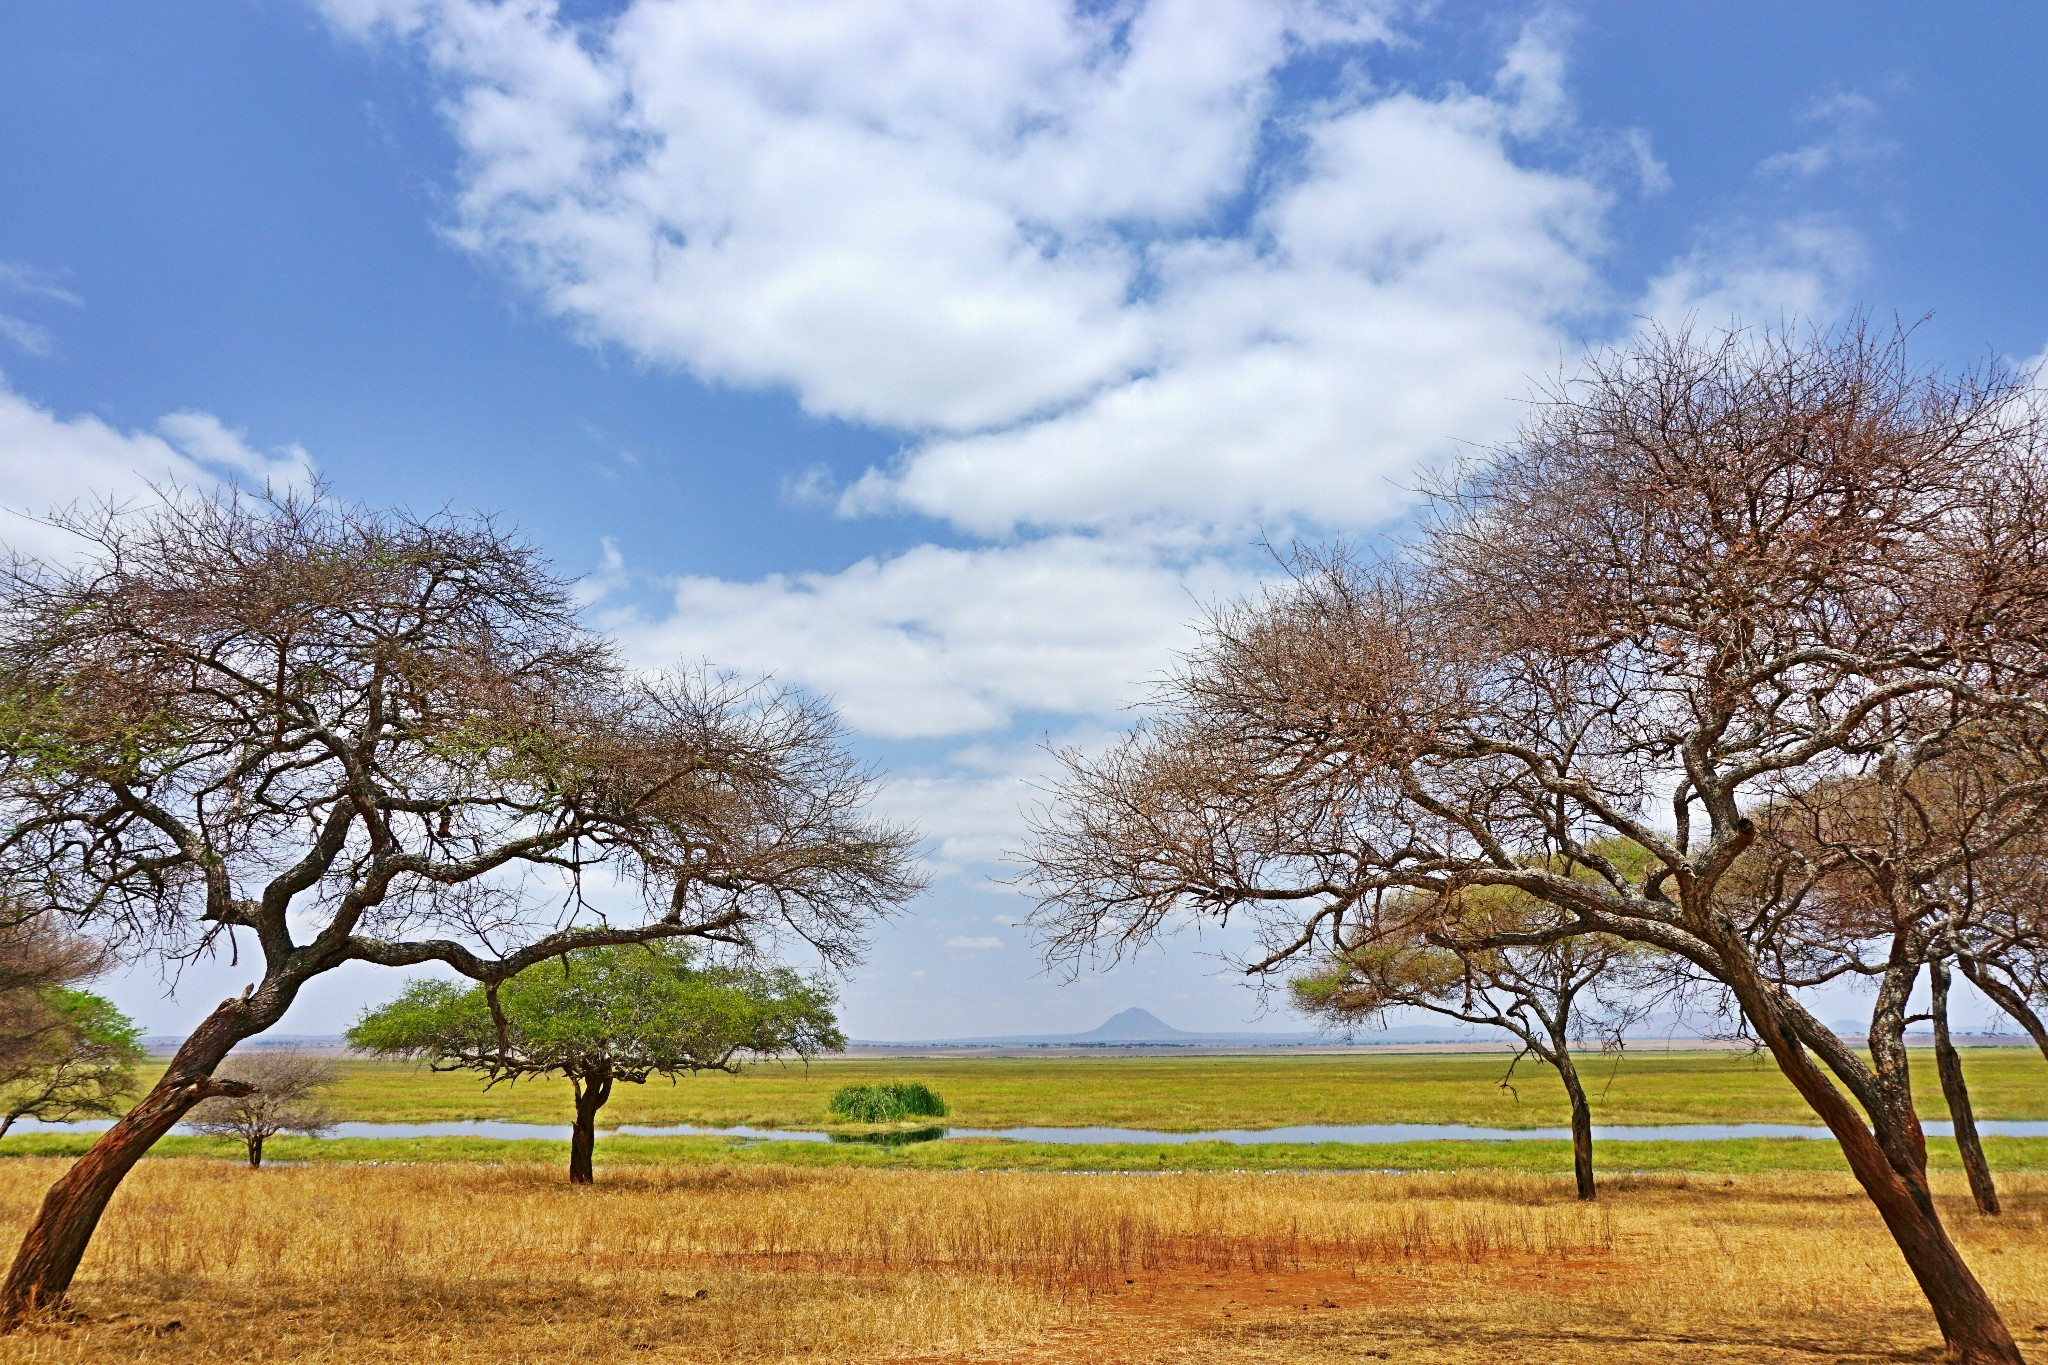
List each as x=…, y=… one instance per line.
x=1711, y=574
x=607, y=1015
x=285, y=1086
x=65, y=1053
x=314, y=733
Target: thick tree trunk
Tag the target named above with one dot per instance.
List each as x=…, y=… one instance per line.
x=63, y=1226
x=1949, y=1065
x=1970, y=1323
x=1582, y=1131
x=591, y=1094
x=2007, y=999
x=255, y=1152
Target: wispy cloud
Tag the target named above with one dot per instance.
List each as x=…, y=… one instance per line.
x=1847, y=124
x=19, y=277
x=26, y=281
x=27, y=335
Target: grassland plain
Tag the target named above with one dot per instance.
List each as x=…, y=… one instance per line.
x=207, y=1263
x=1189, y=1094
x=981, y=1154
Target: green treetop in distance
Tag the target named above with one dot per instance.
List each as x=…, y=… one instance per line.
x=75, y=1059
x=607, y=1015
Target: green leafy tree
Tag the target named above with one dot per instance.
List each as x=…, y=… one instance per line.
x=604, y=1016
x=79, y=1061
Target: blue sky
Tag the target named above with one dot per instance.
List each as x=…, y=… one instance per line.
x=944, y=358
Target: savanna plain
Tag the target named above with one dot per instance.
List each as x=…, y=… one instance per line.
x=706, y=1249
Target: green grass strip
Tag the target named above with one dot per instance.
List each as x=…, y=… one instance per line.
x=1732, y=1155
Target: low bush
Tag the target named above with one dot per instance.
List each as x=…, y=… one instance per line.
x=887, y=1103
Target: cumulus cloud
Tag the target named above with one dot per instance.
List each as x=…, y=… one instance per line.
x=944, y=641
x=979, y=943
x=1100, y=262
x=1133, y=282
x=969, y=803
x=48, y=462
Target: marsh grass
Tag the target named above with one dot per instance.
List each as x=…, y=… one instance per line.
x=881, y=1150
x=886, y=1102
x=473, y=1263
x=1182, y=1094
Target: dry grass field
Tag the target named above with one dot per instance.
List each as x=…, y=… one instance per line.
x=203, y=1262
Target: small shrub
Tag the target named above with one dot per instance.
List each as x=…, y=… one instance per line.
x=887, y=1103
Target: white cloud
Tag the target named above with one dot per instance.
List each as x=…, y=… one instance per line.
x=1097, y=259
x=18, y=277
x=48, y=462
x=1801, y=268
x=1131, y=286
x=970, y=803
x=977, y=944
x=941, y=641
x=208, y=440
x=1848, y=138
x=29, y=336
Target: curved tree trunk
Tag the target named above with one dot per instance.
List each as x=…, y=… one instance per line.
x=1969, y=1321
x=591, y=1093
x=1582, y=1127
x=255, y=1151
x=1950, y=1067
x=56, y=1240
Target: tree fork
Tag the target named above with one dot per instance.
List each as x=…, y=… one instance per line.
x=1970, y=1323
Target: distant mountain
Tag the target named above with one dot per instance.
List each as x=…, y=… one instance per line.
x=1134, y=1026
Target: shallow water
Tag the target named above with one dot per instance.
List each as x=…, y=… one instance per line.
x=1363, y=1133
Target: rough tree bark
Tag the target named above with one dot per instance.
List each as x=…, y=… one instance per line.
x=1950, y=1066
x=1582, y=1124
x=1969, y=1321
x=63, y=1226
x=591, y=1093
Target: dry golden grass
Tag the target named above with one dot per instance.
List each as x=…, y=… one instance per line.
x=468, y=1264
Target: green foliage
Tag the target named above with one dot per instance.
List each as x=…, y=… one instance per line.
x=626, y=1012
x=82, y=1064
x=94, y=1021
x=888, y=1102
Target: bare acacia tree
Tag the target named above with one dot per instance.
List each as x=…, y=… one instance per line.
x=1425, y=959
x=285, y=1086
x=318, y=734
x=1709, y=575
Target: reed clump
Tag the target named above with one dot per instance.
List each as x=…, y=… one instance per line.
x=887, y=1102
